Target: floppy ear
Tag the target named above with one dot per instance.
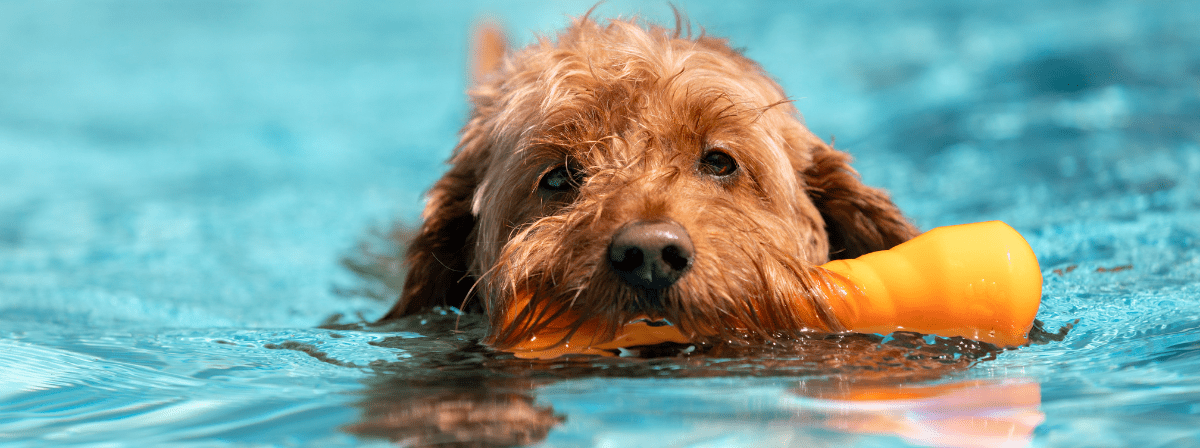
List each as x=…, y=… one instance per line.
x=439, y=257
x=859, y=219
x=440, y=254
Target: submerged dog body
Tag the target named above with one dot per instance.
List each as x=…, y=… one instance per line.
x=624, y=170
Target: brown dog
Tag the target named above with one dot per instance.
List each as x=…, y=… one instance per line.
x=626, y=170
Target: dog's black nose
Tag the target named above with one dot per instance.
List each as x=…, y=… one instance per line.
x=651, y=255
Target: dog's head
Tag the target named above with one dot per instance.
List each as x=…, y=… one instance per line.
x=624, y=170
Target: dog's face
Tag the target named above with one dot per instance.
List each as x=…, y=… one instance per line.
x=623, y=172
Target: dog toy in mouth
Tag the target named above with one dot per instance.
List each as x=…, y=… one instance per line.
x=979, y=281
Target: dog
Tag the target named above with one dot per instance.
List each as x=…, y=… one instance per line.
x=626, y=170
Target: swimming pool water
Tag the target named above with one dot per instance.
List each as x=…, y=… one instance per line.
x=180, y=180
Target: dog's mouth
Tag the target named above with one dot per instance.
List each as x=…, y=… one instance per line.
x=648, y=301
x=536, y=329
x=651, y=322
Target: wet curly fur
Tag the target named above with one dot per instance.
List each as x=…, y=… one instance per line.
x=628, y=117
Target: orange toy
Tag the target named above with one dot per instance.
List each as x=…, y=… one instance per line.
x=979, y=281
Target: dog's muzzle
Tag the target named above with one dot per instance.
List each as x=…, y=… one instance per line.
x=651, y=255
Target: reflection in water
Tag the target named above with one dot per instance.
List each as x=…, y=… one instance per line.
x=958, y=414
x=453, y=391
x=460, y=410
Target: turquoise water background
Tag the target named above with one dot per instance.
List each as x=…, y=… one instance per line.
x=179, y=180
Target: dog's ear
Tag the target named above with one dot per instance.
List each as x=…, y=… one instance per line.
x=487, y=51
x=439, y=257
x=440, y=254
x=859, y=219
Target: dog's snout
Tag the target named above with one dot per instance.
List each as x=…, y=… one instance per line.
x=651, y=255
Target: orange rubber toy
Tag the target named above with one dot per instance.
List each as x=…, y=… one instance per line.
x=980, y=281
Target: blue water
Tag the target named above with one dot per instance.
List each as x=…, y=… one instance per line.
x=180, y=180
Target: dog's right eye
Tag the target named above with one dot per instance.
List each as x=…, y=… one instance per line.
x=558, y=179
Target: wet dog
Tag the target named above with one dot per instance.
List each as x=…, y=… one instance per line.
x=624, y=170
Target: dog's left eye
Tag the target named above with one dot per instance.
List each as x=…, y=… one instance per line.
x=558, y=179
x=718, y=163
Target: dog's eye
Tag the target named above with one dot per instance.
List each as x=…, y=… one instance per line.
x=558, y=179
x=718, y=163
